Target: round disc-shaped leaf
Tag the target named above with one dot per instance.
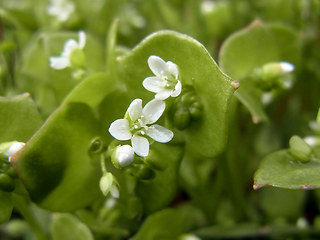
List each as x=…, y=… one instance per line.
x=55, y=165
x=196, y=68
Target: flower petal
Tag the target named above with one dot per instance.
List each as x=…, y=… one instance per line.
x=164, y=94
x=135, y=109
x=140, y=145
x=69, y=46
x=157, y=65
x=154, y=84
x=173, y=69
x=177, y=90
x=119, y=129
x=153, y=110
x=82, y=39
x=159, y=133
x=59, y=62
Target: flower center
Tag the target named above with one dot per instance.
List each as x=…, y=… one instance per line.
x=138, y=127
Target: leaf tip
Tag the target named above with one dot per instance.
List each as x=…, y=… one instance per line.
x=257, y=186
x=235, y=84
x=304, y=187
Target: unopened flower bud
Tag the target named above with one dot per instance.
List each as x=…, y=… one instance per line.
x=300, y=149
x=108, y=184
x=122, y=156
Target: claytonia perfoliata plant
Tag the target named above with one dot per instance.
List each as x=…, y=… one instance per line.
x=70, y=47
x=61, y=9
x=15, y=147
x=135, y=126
x=166, y=83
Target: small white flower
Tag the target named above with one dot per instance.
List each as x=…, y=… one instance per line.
x=124, y=155
x=61, y=9
x=136, y=126
x=166, y=83
x=15, y=147
x=63, y=61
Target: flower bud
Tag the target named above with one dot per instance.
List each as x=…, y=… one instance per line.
x=122, y=156
x=300, y=149
x=108, y=184
x=6, y=183
x=181, y=118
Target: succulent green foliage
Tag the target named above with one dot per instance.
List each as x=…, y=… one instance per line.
x=68, y=227
x=56, y=166
x=19, y=118
x=282, y=169
x=196, y=68
x=251, y=48
x=6, y=206
x=160, y=191
x=168, y=224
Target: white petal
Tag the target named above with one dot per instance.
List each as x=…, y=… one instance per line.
x=164, y=94
x=59, y=62
x=119, y=129
x=69, y=46
x=159, y=133
x=153, y=110
x=15, y=147
x=154, y=84
x=173, y=69
x=157, y=65
x=177, y=90
x=135, y=109
x=124, y=155
x=82, y=39
x=140, y=145
x=114, y=191
x=287, y=67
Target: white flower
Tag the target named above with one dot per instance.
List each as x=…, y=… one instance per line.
x=61, y=9
x=123, y=155
x=135, y=126
x=63, y=61
x=15, y=147
x=166, y=83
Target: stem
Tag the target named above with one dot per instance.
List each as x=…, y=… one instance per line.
x=21, y=204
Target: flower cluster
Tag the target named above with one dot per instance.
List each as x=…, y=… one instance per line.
x=138, y=124
x=71, y=47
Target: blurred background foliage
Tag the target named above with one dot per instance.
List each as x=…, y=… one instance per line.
x=215, y=198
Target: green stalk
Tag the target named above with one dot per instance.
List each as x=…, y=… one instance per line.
x=20, y=203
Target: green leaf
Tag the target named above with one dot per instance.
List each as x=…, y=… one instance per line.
x=281, y=169
x=68, y=227
x=19, y=118
x=242, y=53
x=6, y=206
x=167, y=224
x=159, y=192
x=196, y=68
x=56, y=166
